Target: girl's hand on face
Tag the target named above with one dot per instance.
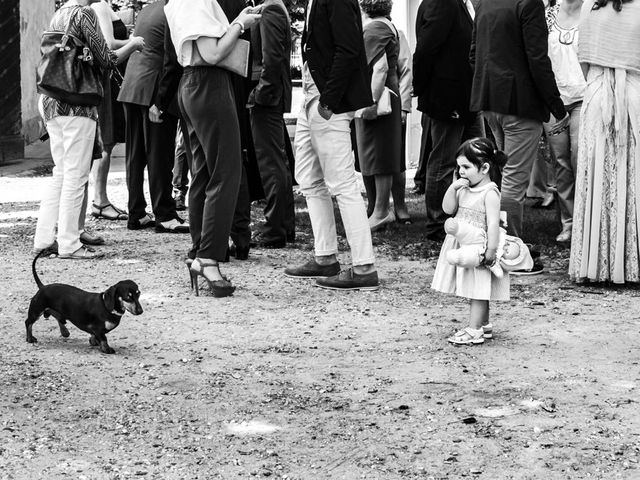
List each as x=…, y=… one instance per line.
x=460, y=183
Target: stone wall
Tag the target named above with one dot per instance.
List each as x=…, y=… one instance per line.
x=34, y=19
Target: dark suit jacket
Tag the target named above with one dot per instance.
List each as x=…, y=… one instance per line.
x=144, y=68
x=171, y=72
x=271, y=45
x=333, y=47
x=513, y=72
x=442, y=75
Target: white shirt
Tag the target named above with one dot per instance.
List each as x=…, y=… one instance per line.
x=472, y=11
x=563, y=52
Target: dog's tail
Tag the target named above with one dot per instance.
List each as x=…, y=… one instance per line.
x=33, y=269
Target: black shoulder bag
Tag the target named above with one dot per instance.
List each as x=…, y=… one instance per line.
x=66, y=70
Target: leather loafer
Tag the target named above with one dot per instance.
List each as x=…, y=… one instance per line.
x=145, y=222
x=313, y=269
x=175, y=225
x=88, y=238
x=349, y=280
x=180, y=202
x=240, y=253
x=275, y=243
x=266, y=241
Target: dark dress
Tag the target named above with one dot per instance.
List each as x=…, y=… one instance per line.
x=380, y=141
x=110, y=111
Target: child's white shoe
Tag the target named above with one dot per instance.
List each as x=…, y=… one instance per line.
x=467, y=336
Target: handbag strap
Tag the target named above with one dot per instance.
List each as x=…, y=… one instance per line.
x=389, y=24
x=72, y=16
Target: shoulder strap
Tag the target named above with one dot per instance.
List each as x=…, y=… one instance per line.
x=66, y=35
x=388, y=23
x=74, y=13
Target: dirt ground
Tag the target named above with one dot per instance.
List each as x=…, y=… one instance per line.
x=285, y=380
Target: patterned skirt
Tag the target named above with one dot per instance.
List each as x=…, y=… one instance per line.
x=606, y=217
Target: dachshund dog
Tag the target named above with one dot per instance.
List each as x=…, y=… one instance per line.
x=94, y=313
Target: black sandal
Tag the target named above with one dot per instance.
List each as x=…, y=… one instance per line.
x=219, y=288
x=99, y=212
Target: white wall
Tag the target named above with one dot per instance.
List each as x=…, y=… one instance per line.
x=404, y=18
x=34, y=19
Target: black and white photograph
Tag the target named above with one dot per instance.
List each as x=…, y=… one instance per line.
x=319, y=239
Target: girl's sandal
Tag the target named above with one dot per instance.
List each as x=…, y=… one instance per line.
x=487, y=330
x=467, y=336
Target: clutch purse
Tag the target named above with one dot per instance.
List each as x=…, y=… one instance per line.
x=383, y=105
x=237, y=61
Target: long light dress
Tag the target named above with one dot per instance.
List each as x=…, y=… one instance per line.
x=476, y=283
x=606, y=218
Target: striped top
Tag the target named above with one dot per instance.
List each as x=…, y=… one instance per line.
x=85, y=27
x=609, y=38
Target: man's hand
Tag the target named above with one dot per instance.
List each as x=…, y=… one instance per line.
x=324, y=111
x=560, y=126
x=370, y=113
x=154, y=114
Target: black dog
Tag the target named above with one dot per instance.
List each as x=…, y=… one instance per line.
x=94, y=313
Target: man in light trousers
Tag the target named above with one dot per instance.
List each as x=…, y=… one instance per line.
x=335, y=83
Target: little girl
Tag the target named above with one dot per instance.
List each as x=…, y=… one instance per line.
x=475, y=199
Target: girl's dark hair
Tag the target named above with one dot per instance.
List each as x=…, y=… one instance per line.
x=617, y=4
x=481, y=150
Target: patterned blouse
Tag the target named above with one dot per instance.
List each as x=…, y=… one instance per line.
x=85, y=27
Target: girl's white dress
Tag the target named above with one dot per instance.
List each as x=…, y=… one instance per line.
x=476, y=283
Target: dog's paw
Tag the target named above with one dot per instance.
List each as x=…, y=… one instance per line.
x=107, y=350
x=93, y=341
x=32, y=339
x=64, y=331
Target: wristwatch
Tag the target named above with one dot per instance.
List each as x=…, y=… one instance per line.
x=240, y=24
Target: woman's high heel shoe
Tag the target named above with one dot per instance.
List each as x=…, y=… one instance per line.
x=188, y=262
x=219, y=288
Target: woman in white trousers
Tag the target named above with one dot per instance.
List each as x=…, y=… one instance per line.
x=72, y=131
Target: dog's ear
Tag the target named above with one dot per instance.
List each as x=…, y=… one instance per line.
x=110, y=298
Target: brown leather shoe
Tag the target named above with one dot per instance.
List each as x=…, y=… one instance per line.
x=349, y=280
x=313, y=269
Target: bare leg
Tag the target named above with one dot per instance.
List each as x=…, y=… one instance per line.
x=100, y=174
x=370, y=187
x=397, y=192
x=479, y=314
x=102, y=207
x=383, y=190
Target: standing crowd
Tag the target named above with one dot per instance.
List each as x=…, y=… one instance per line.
x=206, y=84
